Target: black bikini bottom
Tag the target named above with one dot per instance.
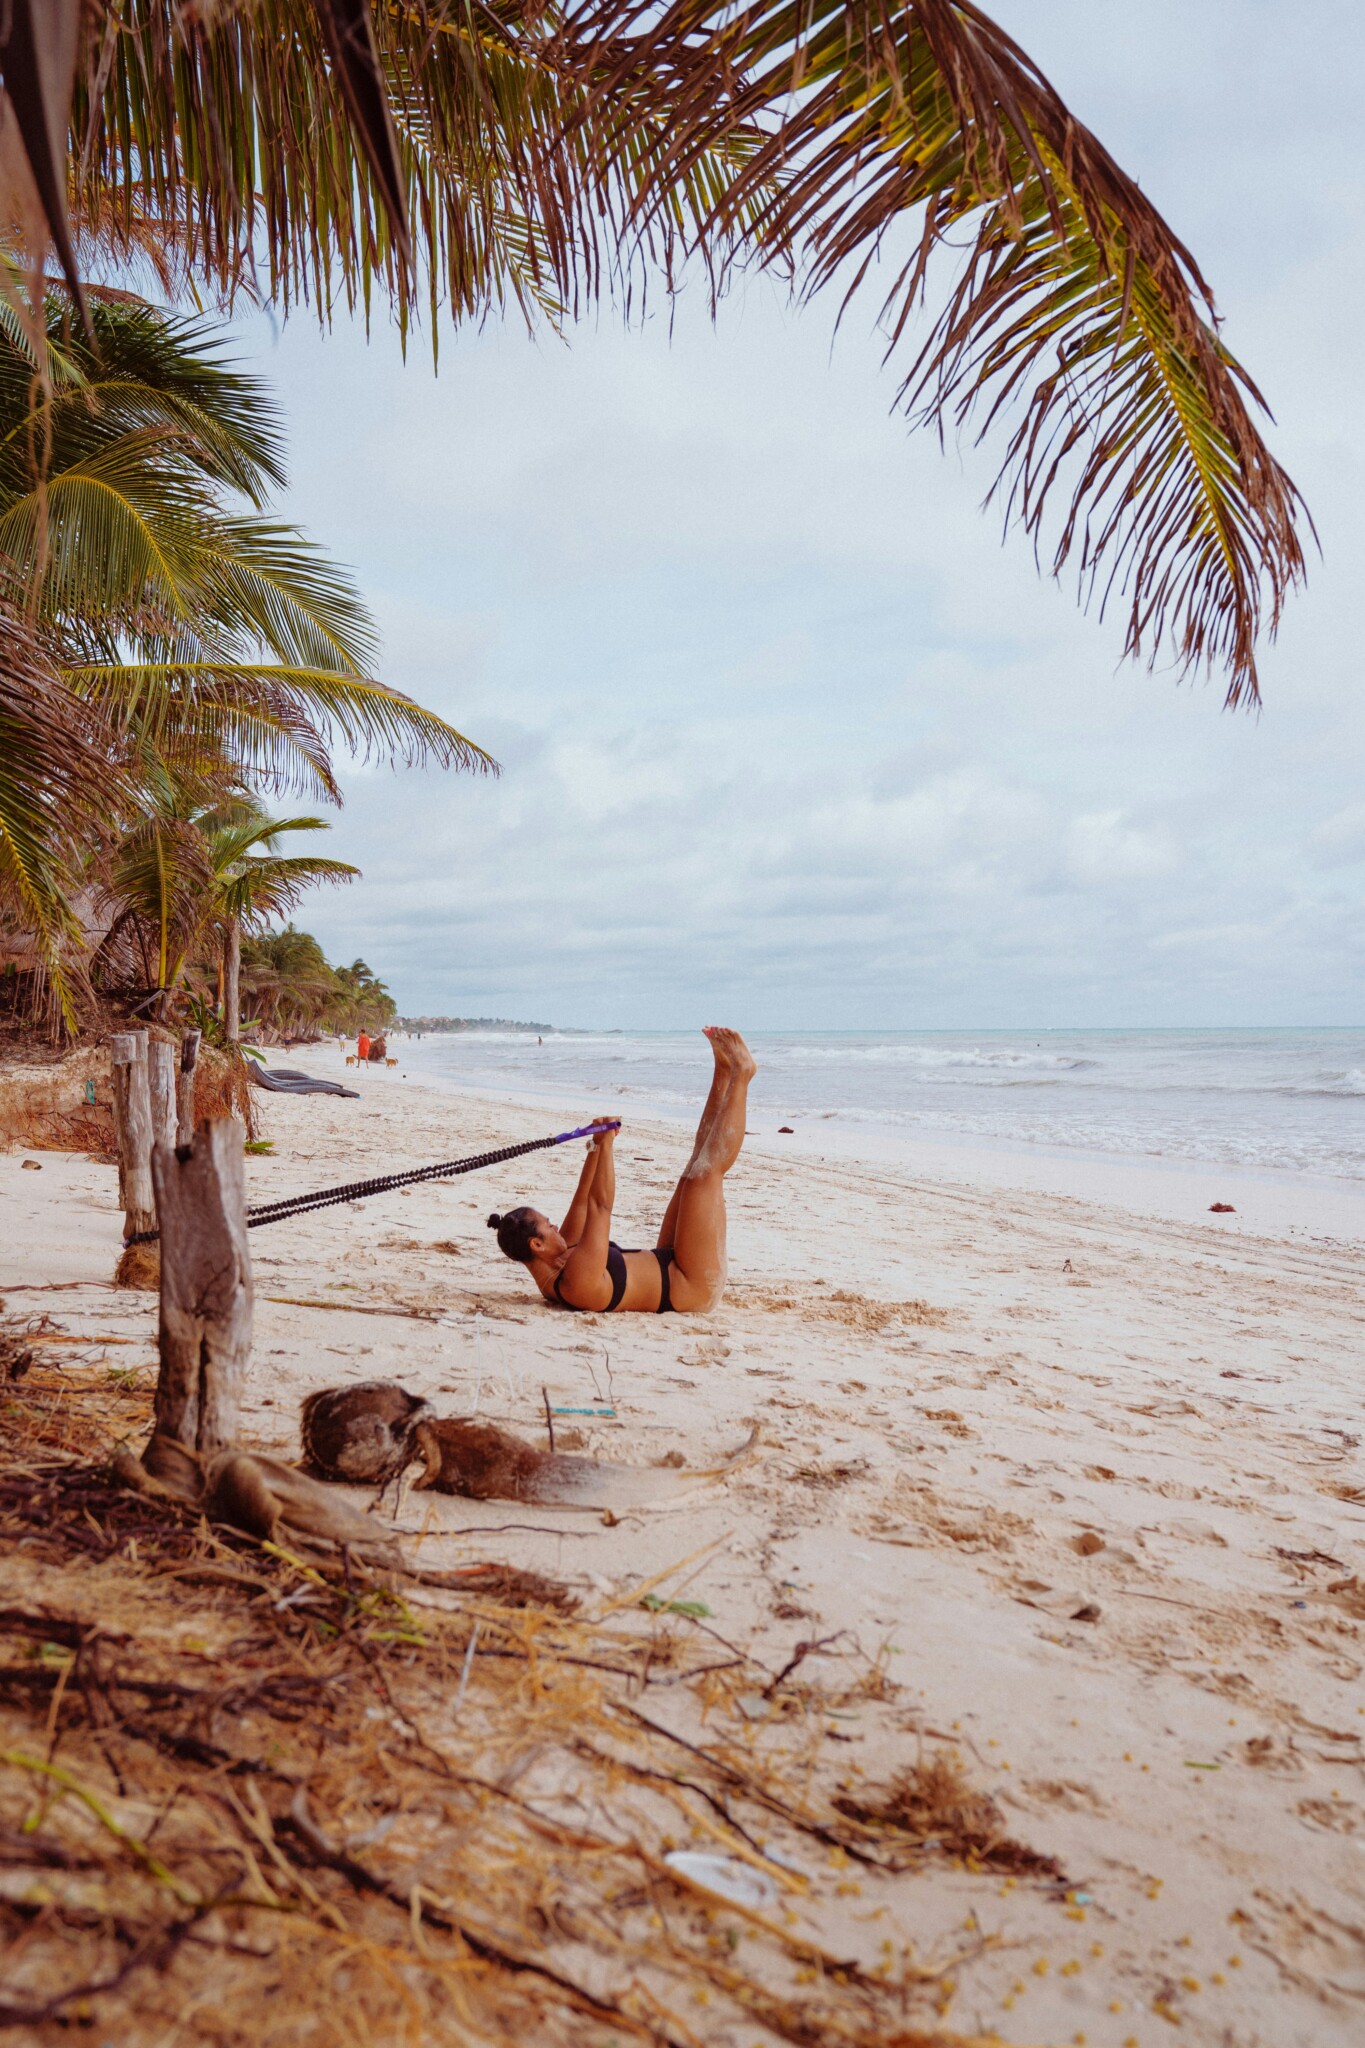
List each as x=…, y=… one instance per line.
x=616, y=1272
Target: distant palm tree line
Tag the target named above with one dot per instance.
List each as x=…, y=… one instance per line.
x=290, y=991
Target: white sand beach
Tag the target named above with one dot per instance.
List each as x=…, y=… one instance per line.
x=1072, y=1462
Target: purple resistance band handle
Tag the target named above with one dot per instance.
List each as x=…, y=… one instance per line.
x=611, y=1123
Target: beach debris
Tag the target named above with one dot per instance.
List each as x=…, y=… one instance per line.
x=1090, y=1612
x=785, y=1131
x=725, y=1877
x=483, y=1462
x=30, y=1166
x=1309, y=1557
x=16, y=1356
x=934, y=1807
x=798, y=1657
x=258, y=1495
x=1221, y=1209
x=361, y=1435
x=1087, y=1544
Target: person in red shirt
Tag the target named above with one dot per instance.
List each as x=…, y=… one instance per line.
x=362, y=1046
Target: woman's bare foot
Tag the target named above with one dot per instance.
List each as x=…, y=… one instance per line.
x=731, y=1051
x=715, y=1036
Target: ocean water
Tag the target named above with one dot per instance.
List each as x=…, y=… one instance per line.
x=1288, y=1100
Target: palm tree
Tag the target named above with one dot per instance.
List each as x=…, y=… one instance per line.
x=162, y=598
x=434, y=154
x=292, y=988
x=253, y=886
x=174, y=643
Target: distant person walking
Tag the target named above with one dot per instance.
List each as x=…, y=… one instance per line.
x=578, y=1266
x=362, y=1047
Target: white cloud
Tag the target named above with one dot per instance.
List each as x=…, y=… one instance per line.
x=1341, y=838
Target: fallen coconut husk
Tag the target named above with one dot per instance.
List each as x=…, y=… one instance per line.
x=360, y=1435
x=483, y=1462
x=139, y=1267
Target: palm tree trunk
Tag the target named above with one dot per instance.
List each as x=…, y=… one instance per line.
x=232, y=977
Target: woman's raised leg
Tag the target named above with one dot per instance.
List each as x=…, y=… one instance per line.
x=720, y=1081
x=699, y=1223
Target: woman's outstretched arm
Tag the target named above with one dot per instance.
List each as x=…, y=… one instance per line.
x=585, y=1269
x=576, y=1214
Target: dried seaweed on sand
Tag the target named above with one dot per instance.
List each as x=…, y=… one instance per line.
x=933, y=1806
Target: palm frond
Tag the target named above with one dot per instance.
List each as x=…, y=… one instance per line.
x=55, y=781
x=261, y=580
x=1079, y=326
x=288, y=705
x=267, y=888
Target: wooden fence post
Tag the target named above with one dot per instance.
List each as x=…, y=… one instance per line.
x=184, y=1089
x=161, y=1088
x=133, y=1135
x=206, y=1294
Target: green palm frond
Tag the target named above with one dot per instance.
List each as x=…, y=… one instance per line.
x=279, y=710
x=194, y=628
x=260, y=580
x=109, y=536
x=267, y=888
x=144, y=370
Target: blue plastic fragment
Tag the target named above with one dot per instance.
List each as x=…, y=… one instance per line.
x=582, y=1411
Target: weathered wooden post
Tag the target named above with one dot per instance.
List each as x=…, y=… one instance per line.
x=206, y=1294
x=161, y=1088
x=133, y=1136
x=184, y=1089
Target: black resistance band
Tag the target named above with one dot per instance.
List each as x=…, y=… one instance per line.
x=357, y=1190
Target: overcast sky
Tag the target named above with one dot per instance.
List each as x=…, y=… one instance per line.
x=788, y=737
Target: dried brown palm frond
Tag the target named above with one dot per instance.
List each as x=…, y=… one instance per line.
x=1078, y=324
x=254, y=129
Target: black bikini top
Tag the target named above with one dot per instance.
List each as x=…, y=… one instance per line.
x=616, y=1273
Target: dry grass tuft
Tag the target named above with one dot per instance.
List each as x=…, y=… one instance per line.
x=934, y=1807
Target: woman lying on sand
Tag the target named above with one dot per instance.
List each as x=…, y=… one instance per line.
x=578, y=1267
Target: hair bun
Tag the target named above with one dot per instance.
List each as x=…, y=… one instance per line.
x=494, y=1222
